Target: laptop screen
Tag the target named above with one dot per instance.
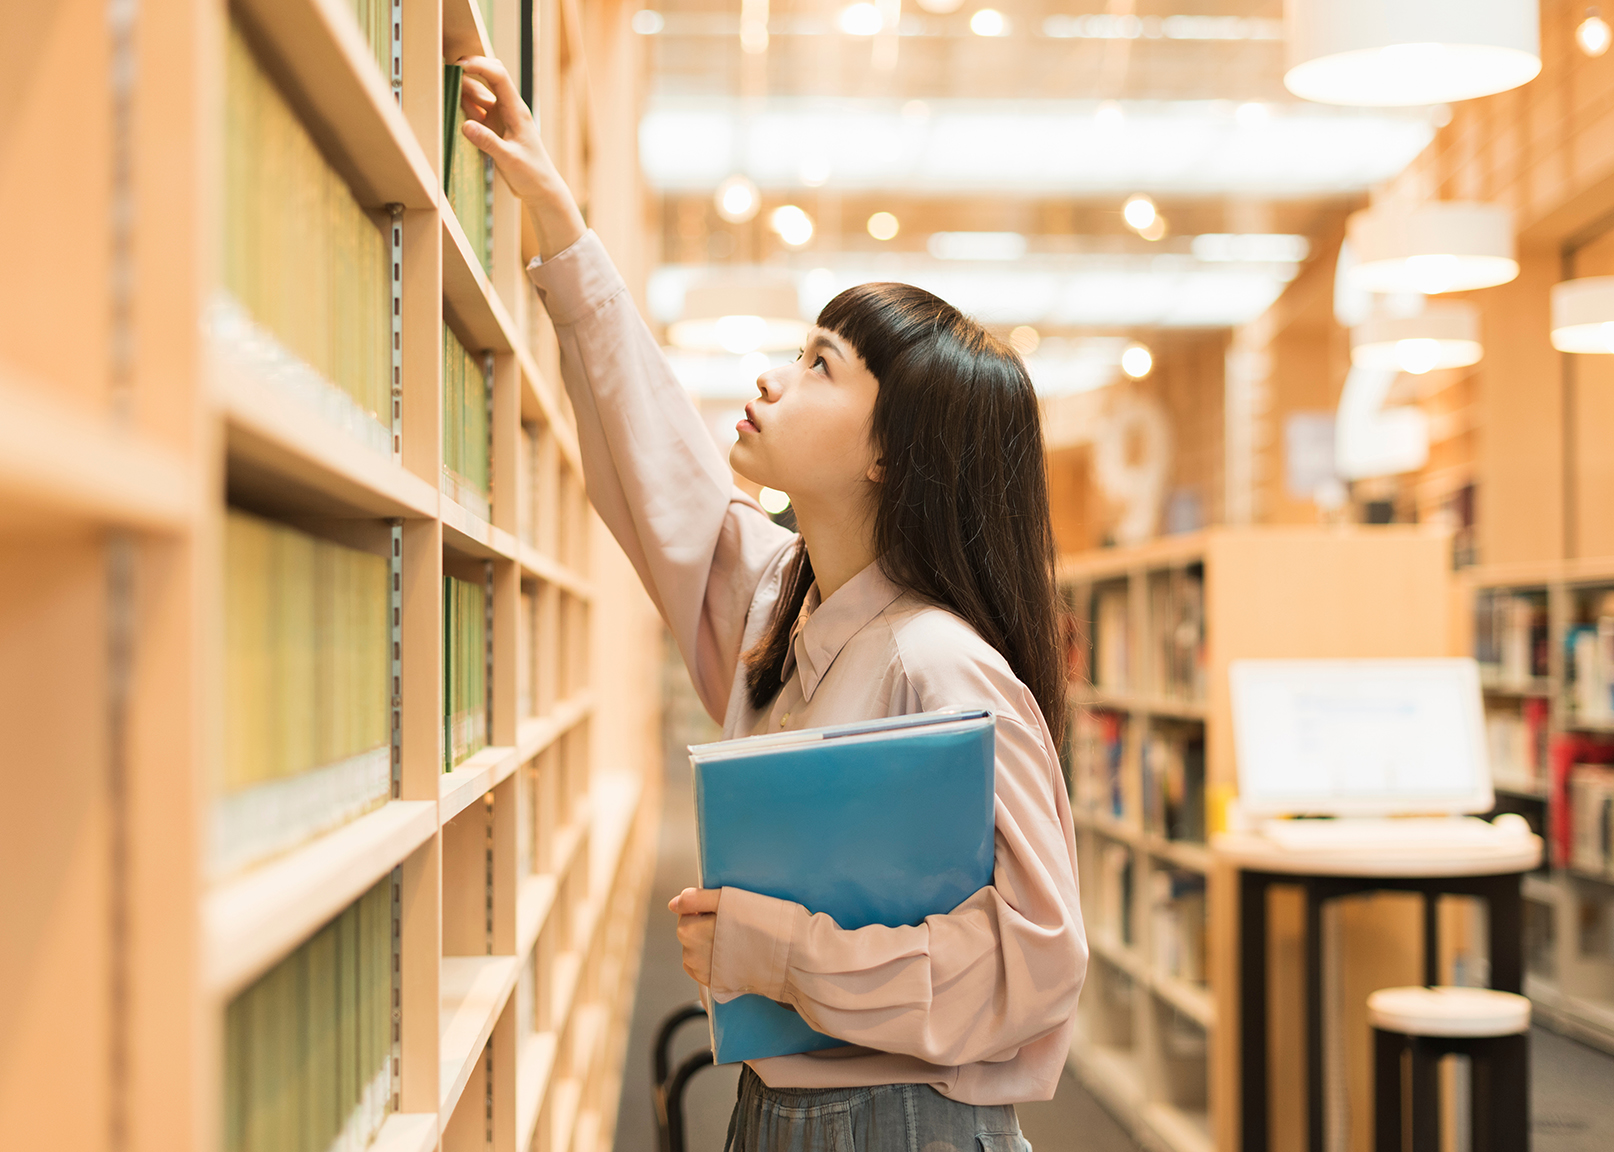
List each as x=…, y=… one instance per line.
x=1359, y=737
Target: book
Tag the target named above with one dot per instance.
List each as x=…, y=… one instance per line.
x=305, y=304
x=1591, y=807
x=1174, y=782
x=306, y=679
x=465, y=660
x=308, y=1046
x=467, y=173
x=885, y=822
x=1177, y=924
x=1111, y=671
x=1098, y=759
x=467, y=476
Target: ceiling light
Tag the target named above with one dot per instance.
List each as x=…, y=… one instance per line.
x=1593, y=34
x=739, y=316
x=989, y=22
x=647, y=22
x=1137, y=361
x=1444, y=335
x=883, y=226
x=773, y=501
x=737, y=199
x=860, y=20
x=1139, y=212
x=1025, y=339
x=1110, y=114
x=1249, y=247
x=1154, y=229
x=1410, y=52
x=794, y=226
x=1439, y=246
x=1583, y=315
x=941, y=7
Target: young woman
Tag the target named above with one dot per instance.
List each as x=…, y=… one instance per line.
x=908, y=441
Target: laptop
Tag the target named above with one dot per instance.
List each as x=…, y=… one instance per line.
x=1366, y=741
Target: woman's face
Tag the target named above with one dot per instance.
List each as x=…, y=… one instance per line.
x=807, y=434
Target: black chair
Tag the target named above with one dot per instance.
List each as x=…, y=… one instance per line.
x=669, y=1089
x=1412, y=1029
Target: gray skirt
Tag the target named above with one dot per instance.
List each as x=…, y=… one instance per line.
x=884, y=1118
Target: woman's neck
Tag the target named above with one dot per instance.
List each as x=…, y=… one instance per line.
x=839, y=546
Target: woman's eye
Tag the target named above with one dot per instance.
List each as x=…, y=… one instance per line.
x=817, y=360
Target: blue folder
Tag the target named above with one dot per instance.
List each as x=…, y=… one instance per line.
x=885, y=822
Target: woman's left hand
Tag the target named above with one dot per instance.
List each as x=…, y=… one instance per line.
x=697, y=923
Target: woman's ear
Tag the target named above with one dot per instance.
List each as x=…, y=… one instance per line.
x=876, y=472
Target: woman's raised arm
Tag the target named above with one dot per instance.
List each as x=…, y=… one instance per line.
x=701, y=547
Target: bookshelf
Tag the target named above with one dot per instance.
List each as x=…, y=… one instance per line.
x=1150, y=761
x=449, y=963
x=1546, y=674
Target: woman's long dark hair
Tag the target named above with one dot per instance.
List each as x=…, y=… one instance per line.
x=961, y=510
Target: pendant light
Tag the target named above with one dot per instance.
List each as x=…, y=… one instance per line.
x=1443, y=335
x=1433, y=247
x=1396, y=53
x=1583, y=315
x=739, y=316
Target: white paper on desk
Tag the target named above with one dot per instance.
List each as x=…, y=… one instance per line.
x=1359, y=736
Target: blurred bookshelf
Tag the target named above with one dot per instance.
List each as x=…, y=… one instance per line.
x=1543, y=635
x=299, y=605
x=1150, y=763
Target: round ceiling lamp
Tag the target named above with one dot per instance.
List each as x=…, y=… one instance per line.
x=1397, y=53
x=1444, y=335
x=738, y=317
x=1583, y=315
x=1430, y=248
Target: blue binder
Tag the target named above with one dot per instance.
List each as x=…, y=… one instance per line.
x=884, y=822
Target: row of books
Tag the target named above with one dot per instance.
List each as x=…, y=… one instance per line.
x=305, y=266
x=1115, y=893
x=306, y=693
x=1177, y=924
x=1516, y=739
x=1589, y=657
x=1177, y=635
x=1112, y=670
x=1174, y=782
x=1591, y=807
x=1510, y=636
x=1098, y=755
x=465, y=670
x=467, y=429
x=308, y=1048
x=467, y=172
x=374, y=18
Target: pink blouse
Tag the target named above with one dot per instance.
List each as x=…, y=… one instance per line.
x=980, y=1002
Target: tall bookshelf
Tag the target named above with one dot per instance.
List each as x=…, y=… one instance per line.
x=509, y=887
x=1524, y=622
x=1150, y=761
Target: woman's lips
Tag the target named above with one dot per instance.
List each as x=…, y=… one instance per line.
x=749, y=424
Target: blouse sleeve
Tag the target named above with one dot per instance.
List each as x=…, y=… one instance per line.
x=701, y=546
x=977, y=983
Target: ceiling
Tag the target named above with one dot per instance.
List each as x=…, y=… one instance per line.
x=1040, y=133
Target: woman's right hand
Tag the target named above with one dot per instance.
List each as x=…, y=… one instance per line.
x=498, y=122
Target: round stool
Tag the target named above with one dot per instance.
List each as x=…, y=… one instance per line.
x=1412, y=1029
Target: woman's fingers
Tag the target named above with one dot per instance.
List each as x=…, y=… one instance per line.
x=695, y=901
x=492, y=73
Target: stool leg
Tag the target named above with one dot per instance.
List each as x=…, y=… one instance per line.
x=1387, y=1102
x=1425, y=1095
x=1500, y=1094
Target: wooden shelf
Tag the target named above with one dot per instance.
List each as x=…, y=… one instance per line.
x=1116, y=1078
x=464, y=531
x=1540, y=889
x=479, y=317
x=1179, y=1129
x=1192, y=1000
x=535, y=1060
x=535, y=563
x=1494, y=685
x=535, y=896
x=1143, y=705
x=464, y=34
x=406, y=1132
x=536, y=733
x=281, y=450
x=317, y=46
x=474, y=991
x=57, y=465
x=1182, y=853
x=472, y=777
x=1104, y=945
x=252, y=920
x=1107, y=826
x=1518, y=785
